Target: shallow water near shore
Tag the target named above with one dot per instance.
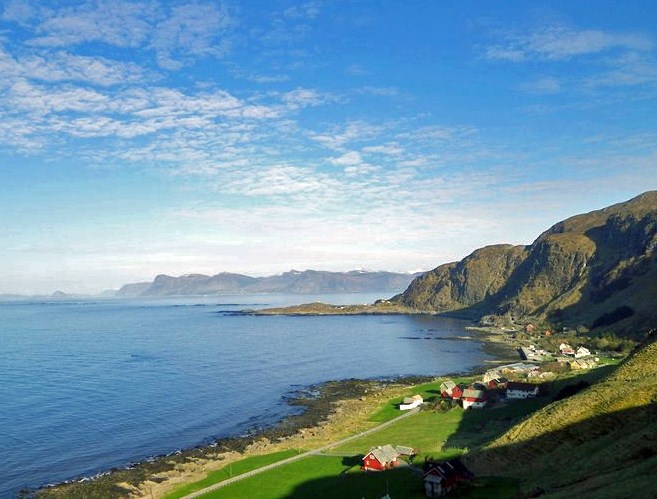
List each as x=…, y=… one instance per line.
x=88, y=385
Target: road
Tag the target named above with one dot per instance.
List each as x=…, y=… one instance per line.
x=251, y=473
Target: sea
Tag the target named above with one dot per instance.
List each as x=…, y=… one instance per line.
x=87, y=385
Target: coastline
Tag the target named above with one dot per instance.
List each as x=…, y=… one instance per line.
x=330, y=410
x=327, y=409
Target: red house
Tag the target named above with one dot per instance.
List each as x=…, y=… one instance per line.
x=442, y=478
x=380, y=458
x=449, y=389
x=473, y=398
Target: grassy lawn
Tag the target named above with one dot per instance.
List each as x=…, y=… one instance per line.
x=234, y=469
x=426, y=431
x=324, y=477
x=430, y=392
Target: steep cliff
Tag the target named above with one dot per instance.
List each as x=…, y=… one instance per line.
x=597, y=269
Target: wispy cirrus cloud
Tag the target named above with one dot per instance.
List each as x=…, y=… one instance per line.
x=561, y=42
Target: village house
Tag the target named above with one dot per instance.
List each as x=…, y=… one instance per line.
x=442, y=478
x=582, y=352
x=532, y=353
x=491, y=374
x=497, y=383
x=518, y=367
x=473, y=398
x=449, y=389
x=411, y=403
x=566, y=349
x=515, y=390
x=380, y=458
x=582, y=364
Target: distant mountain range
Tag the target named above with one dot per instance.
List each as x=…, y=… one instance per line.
x=292, y=282
x=597, y=270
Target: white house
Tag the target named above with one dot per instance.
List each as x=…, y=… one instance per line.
x=411, y=403
x=566, y=349
x=582, y=352
x=515, y=390
x=473, y=398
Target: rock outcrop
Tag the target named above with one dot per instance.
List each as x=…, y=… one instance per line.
x=598, y=270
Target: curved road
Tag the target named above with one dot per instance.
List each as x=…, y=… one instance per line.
x=248, y=474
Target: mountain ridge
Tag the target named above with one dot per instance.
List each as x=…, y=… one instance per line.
x=593, y=270
x=291, y=282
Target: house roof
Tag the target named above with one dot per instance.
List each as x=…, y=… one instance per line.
x=448, y=385
x=405, y=451
x=522, y=387
x=475, y=394
x=385, y=454
x=447, y=469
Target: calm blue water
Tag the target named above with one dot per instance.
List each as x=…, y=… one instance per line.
x=90, y=385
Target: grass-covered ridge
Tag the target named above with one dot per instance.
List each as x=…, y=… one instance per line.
x=597, y=440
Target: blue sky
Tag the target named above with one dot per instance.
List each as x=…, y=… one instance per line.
x=139, y=138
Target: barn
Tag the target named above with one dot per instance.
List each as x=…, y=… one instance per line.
x=380, y=458
x=473, y=398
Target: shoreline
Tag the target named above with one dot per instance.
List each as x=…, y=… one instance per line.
x=330, y=409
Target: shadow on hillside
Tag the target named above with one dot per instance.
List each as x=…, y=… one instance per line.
x=397, y=483
x=602, y=451
x=351, y=461
x=617, y=451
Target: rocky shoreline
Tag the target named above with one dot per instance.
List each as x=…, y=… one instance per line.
x=327, y=412
x=160, y=473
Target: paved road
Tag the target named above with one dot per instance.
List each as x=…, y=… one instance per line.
x=298, y=457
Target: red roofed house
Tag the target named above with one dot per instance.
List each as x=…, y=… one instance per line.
x=442, y=478
x=380, y=458
x=515, y=390
x=449, y=389
x=473, y=398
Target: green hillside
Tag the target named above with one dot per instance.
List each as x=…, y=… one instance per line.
x=597, y=270
x=601, y=442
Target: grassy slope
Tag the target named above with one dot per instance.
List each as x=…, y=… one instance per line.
x=592, y=444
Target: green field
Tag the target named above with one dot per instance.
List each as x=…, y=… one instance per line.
x=231, y=470
x=323, y=477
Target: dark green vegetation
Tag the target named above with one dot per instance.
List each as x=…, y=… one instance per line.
x=598, y=270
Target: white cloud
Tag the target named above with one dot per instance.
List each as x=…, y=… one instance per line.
x=546, y=85
x=63, y=66
x=306, y=10
x=632, y=68
x=119, y=23
x=390, y=149
x=348, y=159
x=195, y=29
x=278, y=180
x=560, y=42
x=303, y=97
